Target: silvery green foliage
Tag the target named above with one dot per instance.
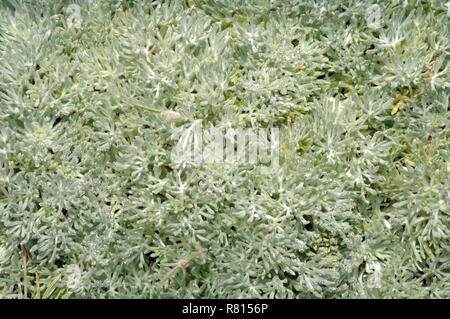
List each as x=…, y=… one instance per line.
x=360, y=205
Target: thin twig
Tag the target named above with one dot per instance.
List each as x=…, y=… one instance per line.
x=181, y=264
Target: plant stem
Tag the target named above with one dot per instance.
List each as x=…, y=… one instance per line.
x=25, y=278
x=146, y=107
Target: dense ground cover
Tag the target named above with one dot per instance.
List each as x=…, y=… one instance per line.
x=89, y=196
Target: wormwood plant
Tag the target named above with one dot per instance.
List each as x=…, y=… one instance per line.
x=91, y=204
